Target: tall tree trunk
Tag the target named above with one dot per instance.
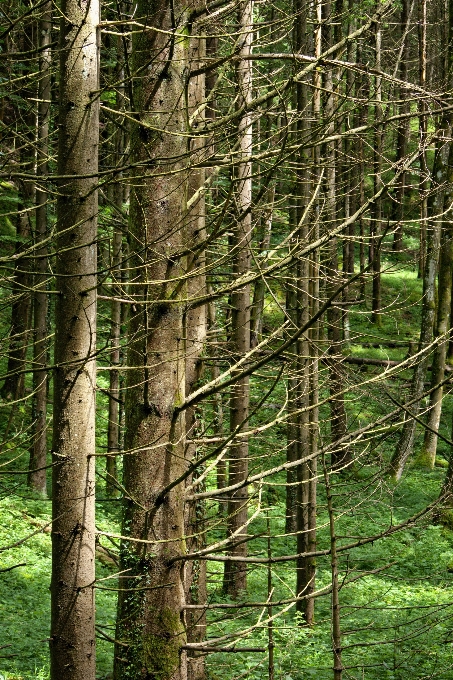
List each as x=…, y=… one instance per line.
x=405, y=444
x=302, y=312
x=338, y=424
x=14, y=386
x=72, y=638
x=113, y=429
x=235, y=575
x=403, y=130
x=151, y=627
x=195, y=337
x=422, y=130
x=257, y=310
x=376, y=208
x=435, y=204
x=37, y=471
x=428, y=453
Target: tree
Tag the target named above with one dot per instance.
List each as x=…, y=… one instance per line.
x=72, y=636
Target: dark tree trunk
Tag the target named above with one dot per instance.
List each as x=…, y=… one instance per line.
x=37, y=471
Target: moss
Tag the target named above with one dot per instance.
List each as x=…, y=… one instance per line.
x=445, y=517
x=424, y=460
x=160, y=653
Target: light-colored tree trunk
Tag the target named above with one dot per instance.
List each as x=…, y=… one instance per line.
x=427, y=455
x=403, y=130
x=37, y=471
x=235, y=575
x=72, y=637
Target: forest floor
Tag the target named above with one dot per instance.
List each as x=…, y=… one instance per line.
x=396, y=593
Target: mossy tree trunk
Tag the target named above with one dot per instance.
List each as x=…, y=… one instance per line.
x=428, y=454
x=151, y=625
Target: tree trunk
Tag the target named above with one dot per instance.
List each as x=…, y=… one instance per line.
x=302, y=313
x=72, y=638
x=235, y=575
x=406, y=442
x=376, y=208
x=151, y=626
x=402, y=132
x=37, y=471
x=113, y=430
x=14, y=386
x=338, y=424
x=195, y=335
x=428, y=454
x=257, y=310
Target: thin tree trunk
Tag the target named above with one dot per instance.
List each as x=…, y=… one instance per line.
x=257, y=310
x=195, y=321
x=37, y=471
x=406, y=442
x=302, y=312
x=422, y=127
x=338, y=424
x=435, y=204
x=14, y=386
x=403, y=131
x=428, y=454
x=235, y=574
x=113, y=429
x=376, y=208
x=72, y=637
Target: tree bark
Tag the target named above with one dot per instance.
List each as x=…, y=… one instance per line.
x=113, y=429
x=14, y=386
x=235, y=575
x=194, y=323
x=402, y=132
x=428, y=454
x=405, y=444
x=72, y=638
x=151, y=626
x=37, y=471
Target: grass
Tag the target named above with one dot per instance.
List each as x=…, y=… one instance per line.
x=397, y=621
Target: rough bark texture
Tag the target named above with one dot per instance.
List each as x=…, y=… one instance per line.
x=37, y=472
x=151, y=626
x=235, y=575
x=72, y=641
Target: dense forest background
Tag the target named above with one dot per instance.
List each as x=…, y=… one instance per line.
x=226, y=265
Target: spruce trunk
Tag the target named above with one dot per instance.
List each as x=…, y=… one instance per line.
x=72, y=640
